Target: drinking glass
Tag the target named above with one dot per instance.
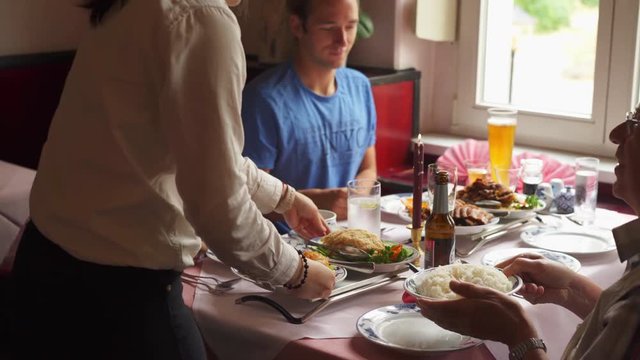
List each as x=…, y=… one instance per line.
x=363, y=209
x=586, y=189
x=531, y=175
x=501, y=127
x=476, y=169
x=510, y=176
x=432, y=170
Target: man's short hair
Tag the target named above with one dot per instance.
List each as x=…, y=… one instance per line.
x=301, y=8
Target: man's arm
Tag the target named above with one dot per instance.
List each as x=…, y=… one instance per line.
x=368, y=168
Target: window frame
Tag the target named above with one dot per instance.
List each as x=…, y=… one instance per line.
x=613, y=93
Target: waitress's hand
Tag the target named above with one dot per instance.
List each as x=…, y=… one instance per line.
x=319, y=283
x=304, y=218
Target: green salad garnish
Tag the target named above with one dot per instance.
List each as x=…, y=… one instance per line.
x=530, y=202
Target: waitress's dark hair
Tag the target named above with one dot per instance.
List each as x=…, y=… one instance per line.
x=98, y=8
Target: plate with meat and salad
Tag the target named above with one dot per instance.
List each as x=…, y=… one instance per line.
x=469, y=218
x=353, y=246
x=499, y=200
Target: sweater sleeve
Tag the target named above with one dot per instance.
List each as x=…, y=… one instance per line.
x=223, y=193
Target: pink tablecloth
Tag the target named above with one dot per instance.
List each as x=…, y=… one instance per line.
x=230, y=338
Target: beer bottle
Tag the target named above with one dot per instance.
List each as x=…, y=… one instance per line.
x=440, y=229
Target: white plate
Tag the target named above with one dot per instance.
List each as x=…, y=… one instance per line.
x=379, y=268
x=460, y=230
x=516, y=213
x=341, y=274
x=392, y=204
x=496, y=256
x=411, y=284
x=570, y=242
x=402, y=327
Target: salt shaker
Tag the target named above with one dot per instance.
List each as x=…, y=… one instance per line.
x=565, y=200
x=544, y=193
x=556, y=186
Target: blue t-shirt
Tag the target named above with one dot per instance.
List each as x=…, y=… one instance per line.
x=308, y=140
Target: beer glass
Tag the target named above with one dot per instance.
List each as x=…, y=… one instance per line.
x=432, y=170
x=501, y=127
x=476, y=169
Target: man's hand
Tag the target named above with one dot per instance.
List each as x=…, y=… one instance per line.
x=330, y=199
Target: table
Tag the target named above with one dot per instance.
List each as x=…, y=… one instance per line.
x=253, y=330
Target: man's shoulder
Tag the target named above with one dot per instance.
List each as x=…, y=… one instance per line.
x=352, y=75
x=270, y=82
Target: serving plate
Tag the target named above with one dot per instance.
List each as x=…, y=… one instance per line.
x=569, y=242
x=340, y=272
x=412, y=283
x=401, y=327
x=511, y=213
x=497, y=256
x=378, y=268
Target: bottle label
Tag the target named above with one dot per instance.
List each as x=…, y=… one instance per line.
x=439, y=252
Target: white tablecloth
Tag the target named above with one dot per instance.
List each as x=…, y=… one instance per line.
x=255, y=331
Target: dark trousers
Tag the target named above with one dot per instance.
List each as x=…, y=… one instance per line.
x=66, y=308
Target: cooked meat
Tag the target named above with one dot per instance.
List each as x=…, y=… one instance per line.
x=469, y=215
x=483, y=189
x=358, y=238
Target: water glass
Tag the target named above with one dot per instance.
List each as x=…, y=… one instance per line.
x=586, y=189
x=432, y=170
x=363, y=209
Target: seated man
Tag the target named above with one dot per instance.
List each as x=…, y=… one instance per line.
x=311, y=121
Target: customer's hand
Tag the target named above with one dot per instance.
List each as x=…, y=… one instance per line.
x=319, y=283
x=334, y=199
x=483, y=313
x=304, y=218
x=547, y=281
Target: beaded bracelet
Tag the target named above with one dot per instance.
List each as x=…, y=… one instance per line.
x=304, y=275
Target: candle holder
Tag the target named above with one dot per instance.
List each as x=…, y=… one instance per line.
x=416, y=236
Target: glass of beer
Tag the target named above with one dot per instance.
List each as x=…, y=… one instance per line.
x=501, y=126
x=476, y=169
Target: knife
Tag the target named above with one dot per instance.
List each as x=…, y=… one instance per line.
x=508, y=226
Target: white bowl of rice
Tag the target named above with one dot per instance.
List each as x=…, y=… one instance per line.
x=433, y=283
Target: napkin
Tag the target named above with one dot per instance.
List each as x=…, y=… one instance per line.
x=408, y=298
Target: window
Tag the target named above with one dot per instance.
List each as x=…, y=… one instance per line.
x=572, y=71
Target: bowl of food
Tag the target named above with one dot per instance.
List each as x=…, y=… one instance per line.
x=433, y=283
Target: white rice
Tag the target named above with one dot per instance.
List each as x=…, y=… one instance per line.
x=435, y=283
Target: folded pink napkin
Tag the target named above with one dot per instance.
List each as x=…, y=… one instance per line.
x=408, y=298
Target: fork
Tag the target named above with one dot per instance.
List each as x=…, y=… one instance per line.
x=220, y=288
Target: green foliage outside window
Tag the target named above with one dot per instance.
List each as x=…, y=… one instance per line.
x=552, y=15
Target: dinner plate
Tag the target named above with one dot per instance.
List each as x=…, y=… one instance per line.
x=392, y=204
x=340, y=272
x=460, y=229
x=515, y=213
x=497, y=256
x=413, y=282
x=587, y=241
x=379, y=268
x=401, y=327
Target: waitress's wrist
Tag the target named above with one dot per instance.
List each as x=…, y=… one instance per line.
x=286, y=199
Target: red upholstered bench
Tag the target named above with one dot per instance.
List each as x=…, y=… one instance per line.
x=30, y=88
